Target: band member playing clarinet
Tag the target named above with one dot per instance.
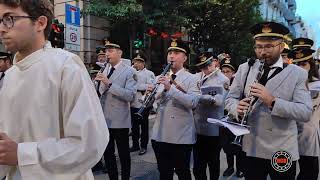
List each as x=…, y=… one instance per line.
x=117, y=90
x=281, y=99
x=174, y=131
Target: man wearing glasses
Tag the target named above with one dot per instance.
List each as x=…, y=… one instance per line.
x=51, y=124
x=282, y=99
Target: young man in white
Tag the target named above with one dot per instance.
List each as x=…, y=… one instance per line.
x=51, y=123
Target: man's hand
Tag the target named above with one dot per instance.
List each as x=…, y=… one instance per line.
x=8, y=151
x=165, y=81
x=243, y=106
x=207, y=99
x=150, y=87
x=101, y=77
x=258, y=90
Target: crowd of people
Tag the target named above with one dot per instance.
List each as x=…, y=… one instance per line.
x=56, y=122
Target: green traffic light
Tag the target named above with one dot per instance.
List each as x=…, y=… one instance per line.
x=137, y=43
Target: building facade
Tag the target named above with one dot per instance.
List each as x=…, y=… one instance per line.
x=282, y=11
x=92, y=29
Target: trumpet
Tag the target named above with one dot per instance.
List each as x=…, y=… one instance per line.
x=244, y=119
x=149, y=97
x=98, y=83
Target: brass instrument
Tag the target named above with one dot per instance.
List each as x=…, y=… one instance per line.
x=238, y=139
x=149, y=97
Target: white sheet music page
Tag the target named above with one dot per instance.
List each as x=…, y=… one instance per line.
x=235, y=129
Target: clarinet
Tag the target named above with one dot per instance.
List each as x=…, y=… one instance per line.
x=98, y=83
x=244, y=120
x=148, y=99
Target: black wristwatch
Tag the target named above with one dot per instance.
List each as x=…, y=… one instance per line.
x=110, y=84
x=272, y=104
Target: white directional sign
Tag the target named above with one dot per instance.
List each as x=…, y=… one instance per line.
x=72, y=27
x=72, y=37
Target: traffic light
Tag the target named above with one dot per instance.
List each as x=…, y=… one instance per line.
x=57, y=34
x=138, y=44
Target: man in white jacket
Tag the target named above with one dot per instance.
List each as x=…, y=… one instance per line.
x=51, y=122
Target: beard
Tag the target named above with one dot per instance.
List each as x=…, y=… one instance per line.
x=270, y=60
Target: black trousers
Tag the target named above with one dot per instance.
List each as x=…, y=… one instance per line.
x=121, y=138
x=138, y=122
x=206, y=152
x=309, y=168
x=173, y=158
x=231, y=150
x=259, y=169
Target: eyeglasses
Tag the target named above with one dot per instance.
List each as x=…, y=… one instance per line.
x=8, y=21
x=268, y=47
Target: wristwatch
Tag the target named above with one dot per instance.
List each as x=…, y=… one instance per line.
x=110, y=84
x=272, y=104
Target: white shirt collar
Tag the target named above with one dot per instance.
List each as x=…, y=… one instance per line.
x=279, y=63
x=177, y=73
x=117, y=65
x=142, y=70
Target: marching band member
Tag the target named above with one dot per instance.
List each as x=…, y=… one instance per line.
x=145, y=77
x=174, y=131
x=5, y=64
x=206, y=151
x=283, y=99
x=51, y=123
x=308, y=138
x=284, y=54
x=226, y=136
x=117, y=90
x=101, y=54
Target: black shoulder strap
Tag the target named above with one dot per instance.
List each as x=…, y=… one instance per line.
x=250, y=64
x=2, y=75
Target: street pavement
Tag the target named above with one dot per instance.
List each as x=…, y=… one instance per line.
x=145, y=167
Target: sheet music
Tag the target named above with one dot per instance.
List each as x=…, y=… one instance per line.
x=235, y=129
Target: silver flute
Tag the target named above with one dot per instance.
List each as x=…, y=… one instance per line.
x=252, y=100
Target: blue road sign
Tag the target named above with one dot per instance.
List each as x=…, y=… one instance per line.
x=72, y=15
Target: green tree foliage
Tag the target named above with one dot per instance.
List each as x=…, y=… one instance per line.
x=221, y=24
x=224, y=25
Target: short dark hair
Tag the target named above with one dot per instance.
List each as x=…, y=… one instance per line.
x=34, y=8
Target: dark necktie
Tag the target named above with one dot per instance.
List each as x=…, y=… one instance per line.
x=173, y=77
x=99, y=82
x=203, y=81
x=264, y=78
x=111, y=72
x=2, y=76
